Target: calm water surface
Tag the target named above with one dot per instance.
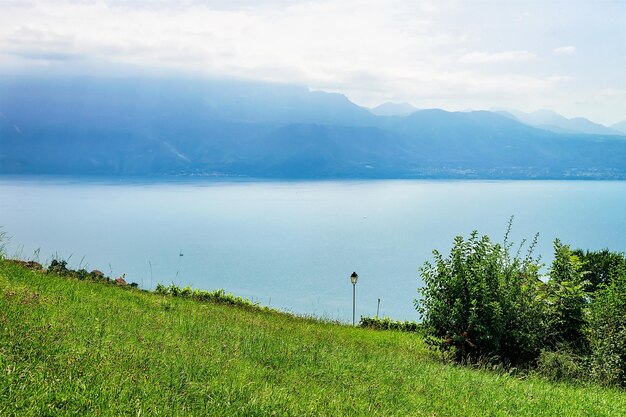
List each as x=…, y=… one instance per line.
x=293, y=245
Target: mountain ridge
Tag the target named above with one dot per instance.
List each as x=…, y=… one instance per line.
x=550, y=120
x=393, y=109
x=190, y=127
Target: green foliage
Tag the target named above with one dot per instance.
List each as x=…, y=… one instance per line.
x=566, y=266
x=565, y=299
x=483, y=303
x=486, y=306
x=58, y=267
x=217, y=296
x=601, y=267
x=607, y=332
x=386, y=323
x=562, y=365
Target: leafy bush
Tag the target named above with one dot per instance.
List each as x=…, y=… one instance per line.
x=217, y=296
x=483, y=303
x=607, y=332
x=566, y=299
x=601, y=267
x=388, y=324
x=486, y=306
x=58, y=267
x=561, y=364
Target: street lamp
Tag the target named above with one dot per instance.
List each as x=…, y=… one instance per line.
x=353, y=278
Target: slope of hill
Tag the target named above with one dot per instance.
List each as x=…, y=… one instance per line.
x=394, y=109
x=236, y=128
x=620, y=127
x=71, y=347
x=550, y=120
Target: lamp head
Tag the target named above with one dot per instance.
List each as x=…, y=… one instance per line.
x=354, y=278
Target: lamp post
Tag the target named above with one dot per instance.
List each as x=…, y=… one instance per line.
x=353, y=278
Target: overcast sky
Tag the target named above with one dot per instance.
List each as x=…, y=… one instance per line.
x=569, y=56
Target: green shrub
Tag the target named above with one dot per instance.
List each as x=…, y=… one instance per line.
x=58, y=267
x=566, y=300
x=387, y=324
x=217, y=296
x=81, y=273
x=601, y=267
x=483, y=303
x=607, y=333
x=486, y=306
x=561, y=364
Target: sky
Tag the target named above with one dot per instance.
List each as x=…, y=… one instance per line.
x=568, y=56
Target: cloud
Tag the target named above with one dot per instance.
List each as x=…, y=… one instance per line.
x=33, y=43
x=560, y=78
x=612, y=92
x=487, y=58
x=523, y=17
x=565, y=50
x=444, y=53
x=42, y=55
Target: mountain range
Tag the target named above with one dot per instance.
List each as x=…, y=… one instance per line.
x=620, y=127
x=394, y=109
x=152, y=126
x=550, y=120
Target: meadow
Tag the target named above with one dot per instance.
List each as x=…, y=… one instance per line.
x=79, y=347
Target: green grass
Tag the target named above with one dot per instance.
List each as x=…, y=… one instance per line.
x=71, y=347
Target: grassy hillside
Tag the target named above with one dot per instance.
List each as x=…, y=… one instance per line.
x=71, y=347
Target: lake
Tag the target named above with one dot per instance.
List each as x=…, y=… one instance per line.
x=293, y=245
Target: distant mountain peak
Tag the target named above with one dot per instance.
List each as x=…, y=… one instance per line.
x=393, y=109
x=555, y=122
x=620, y=127
x=548, y=112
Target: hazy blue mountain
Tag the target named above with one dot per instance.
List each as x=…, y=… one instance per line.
x=237, y=128
x=550, y=120
x=394, y=109
x=506, y=114
x=136, y=98
x=620, y=127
